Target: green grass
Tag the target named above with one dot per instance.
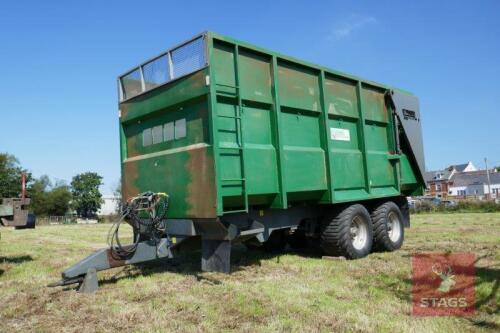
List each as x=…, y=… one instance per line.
x=294, y=291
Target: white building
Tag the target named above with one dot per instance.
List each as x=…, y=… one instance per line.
x=475, y=183
x=110, y=205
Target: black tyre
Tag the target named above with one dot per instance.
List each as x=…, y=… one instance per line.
x=388, y=228
x=349, y=233
x=298, y=240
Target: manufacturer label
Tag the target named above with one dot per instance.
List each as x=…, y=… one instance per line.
x=340, y=134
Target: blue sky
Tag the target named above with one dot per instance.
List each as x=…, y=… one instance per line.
x=59, y=61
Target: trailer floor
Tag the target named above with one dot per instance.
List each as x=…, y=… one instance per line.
x=293, y=291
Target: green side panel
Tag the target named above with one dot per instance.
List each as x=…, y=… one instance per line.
x=298, y=87
x=341, y=98
x=407, y=174
x=379, y=143
x=382, y=170
x=346, y=142
x=346, y=157
x=260, y=154
x=374, y=105
x=305, y=168
x=223, y=63
x=255, y=77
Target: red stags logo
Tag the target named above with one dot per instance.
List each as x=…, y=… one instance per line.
x=446, y=275
x=443, y=284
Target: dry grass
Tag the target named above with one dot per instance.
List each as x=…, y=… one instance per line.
x=290, y=292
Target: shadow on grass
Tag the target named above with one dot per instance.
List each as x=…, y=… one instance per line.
x=189, y=263
x=15, y=259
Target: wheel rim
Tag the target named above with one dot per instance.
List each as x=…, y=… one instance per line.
x=394, y=227
x=359, y=232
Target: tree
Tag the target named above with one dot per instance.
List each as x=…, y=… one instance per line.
x=48, y=199
x=59, y=199
x=10, y=176
x=38, y=194
x=86, y=196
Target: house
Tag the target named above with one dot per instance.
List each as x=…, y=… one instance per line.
x=438, y=181
x=474, y=184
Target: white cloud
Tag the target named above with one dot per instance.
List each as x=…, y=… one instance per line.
x=344, y=28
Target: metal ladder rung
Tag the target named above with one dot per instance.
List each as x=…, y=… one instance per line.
x=237, y=148
x=228, y=94
x=236, y=211
x=233, y=179
x=227, y=85
x=224, y=116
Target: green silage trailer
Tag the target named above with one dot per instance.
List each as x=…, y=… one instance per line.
x=252, y=146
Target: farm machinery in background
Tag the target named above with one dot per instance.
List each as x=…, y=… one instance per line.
x=14, y=211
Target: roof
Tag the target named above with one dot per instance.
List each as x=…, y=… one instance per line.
x=463, y=167
x=446, y=174
x=475, y=178
x=433, y=175
x=460, y=167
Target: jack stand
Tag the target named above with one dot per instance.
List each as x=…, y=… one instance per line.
x=89, y=284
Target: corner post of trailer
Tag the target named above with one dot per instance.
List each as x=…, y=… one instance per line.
x=281, y=200
x=362, y=134
x=324, y=123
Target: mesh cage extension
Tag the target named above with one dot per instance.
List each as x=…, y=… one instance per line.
x=156, y=72
x=173, y=64
x=188, y=58
x=131, y=84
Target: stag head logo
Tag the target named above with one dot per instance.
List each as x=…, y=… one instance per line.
x=446, y=275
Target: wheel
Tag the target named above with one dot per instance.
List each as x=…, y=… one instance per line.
x=349, y=233
x=388, y=229
x=297, y=240
x=275, y=243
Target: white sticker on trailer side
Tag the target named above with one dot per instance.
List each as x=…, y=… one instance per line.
x=340, y=134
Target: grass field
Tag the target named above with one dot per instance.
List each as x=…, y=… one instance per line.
x=293, y=291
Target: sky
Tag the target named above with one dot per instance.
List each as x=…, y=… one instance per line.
x=59, y=61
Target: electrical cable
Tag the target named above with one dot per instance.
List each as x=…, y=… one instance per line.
x=146, y=213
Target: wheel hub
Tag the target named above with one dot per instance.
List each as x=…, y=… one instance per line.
x=359, y=232
x=393, y=227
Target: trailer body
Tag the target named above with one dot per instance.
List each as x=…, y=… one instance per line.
x=225, y=127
